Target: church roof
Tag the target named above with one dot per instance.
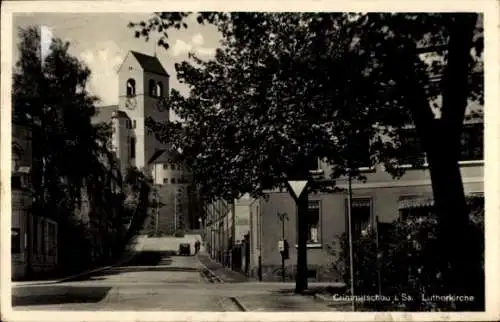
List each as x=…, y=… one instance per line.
x=105, y=113
x=149, y=64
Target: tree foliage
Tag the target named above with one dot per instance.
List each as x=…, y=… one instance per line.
x=285, y=85
x=72, y=161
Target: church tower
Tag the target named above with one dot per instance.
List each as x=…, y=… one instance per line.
x=143, y=92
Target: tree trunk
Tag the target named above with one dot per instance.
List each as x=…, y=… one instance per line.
x=463, y=274
x=461, y=259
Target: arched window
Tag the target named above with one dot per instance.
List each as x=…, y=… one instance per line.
x=152, y=88
x=131, y=87
x=132, y=148
x=159, y=89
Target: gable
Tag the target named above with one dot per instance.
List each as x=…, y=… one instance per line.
x=129, y=61
x=150, y=64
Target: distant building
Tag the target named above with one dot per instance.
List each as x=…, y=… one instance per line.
x=143, y=92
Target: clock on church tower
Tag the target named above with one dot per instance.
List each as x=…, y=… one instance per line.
x=143, y=93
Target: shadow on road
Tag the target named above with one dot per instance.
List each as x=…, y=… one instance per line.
x=55, y=295
x=145, y=261
x=151, y=258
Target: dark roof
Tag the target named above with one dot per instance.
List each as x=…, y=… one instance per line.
x=156, y=155
x=149, y=64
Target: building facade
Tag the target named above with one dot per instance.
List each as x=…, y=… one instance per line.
x=381, y=199
x=227, y=229
x=33, y=238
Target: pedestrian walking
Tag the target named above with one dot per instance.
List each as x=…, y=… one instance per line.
x=197, y=247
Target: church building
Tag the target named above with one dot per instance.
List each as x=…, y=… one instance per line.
x=142, y=94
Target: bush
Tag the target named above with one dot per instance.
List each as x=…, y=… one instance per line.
x=405, y=262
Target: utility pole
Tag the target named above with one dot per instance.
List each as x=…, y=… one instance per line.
x=156, y=210
x=259, y=216
x=349, y=204
x=351, y=257
x=175, y=210
x=282, y=217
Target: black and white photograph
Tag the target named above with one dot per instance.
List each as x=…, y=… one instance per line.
x=315, y=162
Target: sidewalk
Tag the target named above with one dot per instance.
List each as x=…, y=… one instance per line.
x=254, y=296
x=289, y=302
x=223, y=273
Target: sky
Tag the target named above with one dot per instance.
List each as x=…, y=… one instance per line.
x=101, y=41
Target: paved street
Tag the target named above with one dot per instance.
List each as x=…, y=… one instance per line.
x=154, y=280
x=158, y=279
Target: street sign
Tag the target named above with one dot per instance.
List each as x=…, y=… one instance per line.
x=281, y=245
x=297, y=187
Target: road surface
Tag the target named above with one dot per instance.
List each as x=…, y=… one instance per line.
x=154, y=280
x=158, y=280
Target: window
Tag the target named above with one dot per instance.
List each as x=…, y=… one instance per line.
x=313, y=223
x=415, y=206
x=360, y=216
x=411, y=150
x=15, y=239
x=313, y=163
x=134, y=124
x=43, y=236
x=173, y=180
x=34, y=223
x=152, y=88
x=131, y=87
x=52, y=239
x=165, y=180
x=360, y=149
x=472, y=142
x=159, y=89
x=16, y=182
x=132, y=148
x=165, y=166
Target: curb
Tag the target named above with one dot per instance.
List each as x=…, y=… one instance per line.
x=238, y=303
x=76, y=276
x=212, y=274
x=324, y=298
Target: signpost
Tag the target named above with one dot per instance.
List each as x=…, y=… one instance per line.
x=297, y=183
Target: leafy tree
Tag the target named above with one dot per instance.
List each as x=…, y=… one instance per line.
x=283, y=87
x=71, y=159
